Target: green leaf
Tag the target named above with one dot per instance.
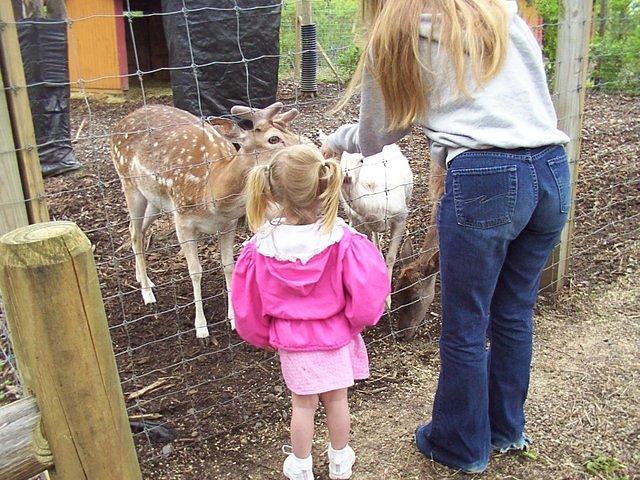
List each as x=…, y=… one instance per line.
x=529, y=454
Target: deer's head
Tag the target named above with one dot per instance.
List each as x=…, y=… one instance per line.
x=415, y=288
x=270, y=131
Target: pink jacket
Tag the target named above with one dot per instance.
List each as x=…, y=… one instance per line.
x=296, y=288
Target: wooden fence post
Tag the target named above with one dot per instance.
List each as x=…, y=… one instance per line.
x=574, y=35
x=13, y=211
x=59, y=333
x=20, y=114
x=297, y=54
x=305, y=12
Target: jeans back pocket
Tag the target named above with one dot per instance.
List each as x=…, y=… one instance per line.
x=485, y=197
x=560, y=170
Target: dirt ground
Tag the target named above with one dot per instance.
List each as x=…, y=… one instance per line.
x=584, y=403
x=226, y=404
x=584, y=399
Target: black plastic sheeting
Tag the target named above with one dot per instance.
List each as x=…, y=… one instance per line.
x=43, y=45
x=235, y=46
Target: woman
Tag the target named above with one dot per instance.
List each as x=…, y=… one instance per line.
x=470, y=73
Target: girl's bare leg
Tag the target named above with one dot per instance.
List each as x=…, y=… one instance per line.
x=302, y=416
x=336, y=405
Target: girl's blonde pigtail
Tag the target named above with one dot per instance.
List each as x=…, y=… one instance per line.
x=331, y=174
x=257, y=192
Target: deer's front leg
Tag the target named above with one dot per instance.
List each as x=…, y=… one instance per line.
x=398, y=226
x=188, y=241
x=137, y=205
x=227, y=237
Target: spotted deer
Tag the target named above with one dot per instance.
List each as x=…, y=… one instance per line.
x=415, y=286
x=170, y=161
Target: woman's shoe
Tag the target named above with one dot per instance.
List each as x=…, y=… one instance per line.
x=423, y=444
x=341, y=463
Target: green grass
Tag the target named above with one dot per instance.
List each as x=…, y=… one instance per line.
x=606, y=467
x=337, y=22
x=529, y=454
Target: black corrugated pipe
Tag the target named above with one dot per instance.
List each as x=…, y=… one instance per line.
x=308, y=82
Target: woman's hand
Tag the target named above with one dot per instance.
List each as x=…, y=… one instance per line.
x=328, y=153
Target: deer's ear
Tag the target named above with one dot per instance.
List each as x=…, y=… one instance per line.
x=432, y=266
x=228, y=129
x=406, y=252
x=287, y=117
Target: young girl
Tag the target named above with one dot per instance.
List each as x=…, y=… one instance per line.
x=470, y=73
x=307, y=285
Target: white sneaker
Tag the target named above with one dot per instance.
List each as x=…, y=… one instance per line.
x=295, y=468
x=341, y=463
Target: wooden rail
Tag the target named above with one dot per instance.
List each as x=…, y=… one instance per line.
x=59, y=333
x=24, y=451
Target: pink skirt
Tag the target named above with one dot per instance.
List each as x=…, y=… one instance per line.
x=308, y=373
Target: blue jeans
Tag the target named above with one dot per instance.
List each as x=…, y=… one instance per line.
x=500, y=217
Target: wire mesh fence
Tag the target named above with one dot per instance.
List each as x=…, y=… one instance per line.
x=189, y=400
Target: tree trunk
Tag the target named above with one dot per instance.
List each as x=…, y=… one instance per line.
x=604, y=16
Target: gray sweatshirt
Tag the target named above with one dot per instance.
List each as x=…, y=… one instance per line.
x=514, y=110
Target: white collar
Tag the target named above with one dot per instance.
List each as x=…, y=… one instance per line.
x=284, y=242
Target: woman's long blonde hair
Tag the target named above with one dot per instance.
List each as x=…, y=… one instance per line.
x=473, y=32
x=301, y=182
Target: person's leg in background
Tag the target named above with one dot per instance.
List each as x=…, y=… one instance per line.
x=511, y=332
x=488, y=200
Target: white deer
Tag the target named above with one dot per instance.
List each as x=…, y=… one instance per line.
x=376, y=194
x=173, y=162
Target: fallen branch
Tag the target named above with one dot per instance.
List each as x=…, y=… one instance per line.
x=75, y=139
x=149, y=388
x=145, y=416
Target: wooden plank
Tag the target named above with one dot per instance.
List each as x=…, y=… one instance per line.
x=56, y=9
x=24, y=452
x=20, y=112
x=121, y=46
x=370, y=11
x=297, y=54
x=571, y=86
x=13, y=210
x=333, y=68
x=96, y=59
x=56, y=317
